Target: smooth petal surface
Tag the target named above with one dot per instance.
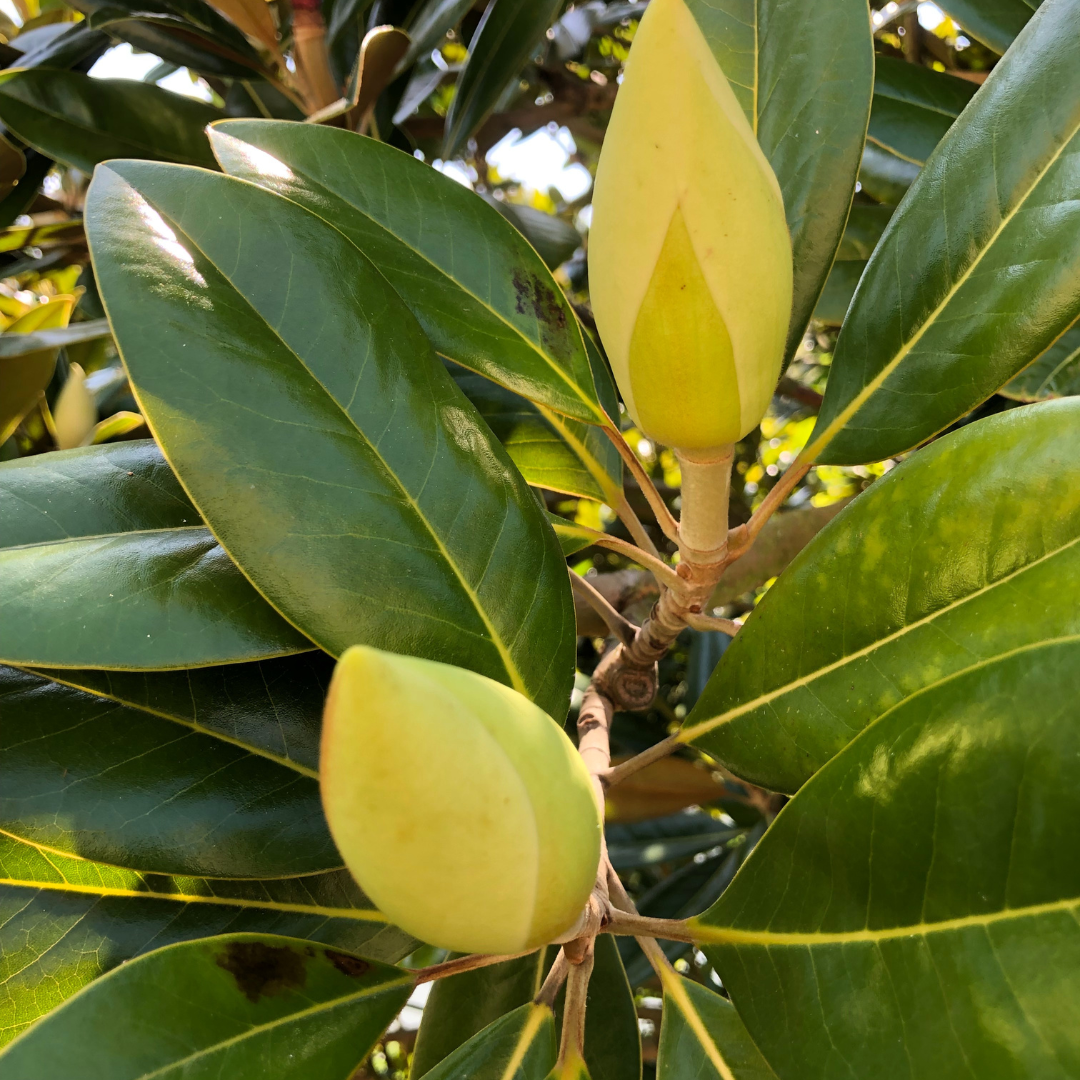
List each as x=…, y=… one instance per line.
x=968, y=551
x=922, y=890
x=986, y=243
x=319, y=436
x=105, y=563
x=64, y=921
x=233, y=1005
x=803, y=75
x=86, y=776
x=82, y=121
x=482, y=295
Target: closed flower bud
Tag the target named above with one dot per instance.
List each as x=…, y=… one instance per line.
x=460, y=807
x=689, y=252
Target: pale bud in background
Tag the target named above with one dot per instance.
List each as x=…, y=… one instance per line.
x=689, y=252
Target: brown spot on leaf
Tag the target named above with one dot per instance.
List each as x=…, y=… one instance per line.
x=539, y=299
x=263, y=970
x=352, y=966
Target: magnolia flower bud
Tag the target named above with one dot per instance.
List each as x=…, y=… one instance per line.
x=460, y=807
x=689, y=252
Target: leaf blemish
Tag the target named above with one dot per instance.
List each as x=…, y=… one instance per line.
x=263, y=970
x=532, y=295
x=352, y=966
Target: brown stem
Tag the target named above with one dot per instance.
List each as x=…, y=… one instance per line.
x=618, y=624
x=626, y=924
x=655, y=753
x=573, y=1021
x=312, y=59
x=668, y=525
x=553, y=983
x=740, y=539
x=711, y=622
x=633, y=525
x=463, y=963
x=663, y=573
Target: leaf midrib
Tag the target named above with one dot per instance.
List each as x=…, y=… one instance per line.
x=505, y=656
x=817, y=445
x=166, y=530
x=704, y=726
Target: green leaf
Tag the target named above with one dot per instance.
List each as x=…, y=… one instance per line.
x=915, y=909
x=967, y=552
x=319, y=436
x=105, y=563
x=64, y=921
x=660, y=840
x=1055, y=374
x=482, y=295
x=82, y=121
x=835, y=299
x=245, y=1006
x=987, y=239
x=993, y=22
x=13, y=345
x=885, y=176
x=702, y=1036
x=550, y=451
x=555, y=240
x=803, y=74
x=864, y=227
x=428, y=25
x=612, y=1037
x=508, y=34
x=914, y=107
x=462, y=1006
x=270, y=707
x=572, y=537
x=519, y=1046
x=116, y=784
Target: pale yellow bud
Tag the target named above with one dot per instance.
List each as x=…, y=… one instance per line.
x=689, y=251
x=460, y=807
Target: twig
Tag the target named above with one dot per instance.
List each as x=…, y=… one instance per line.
x=711, y=622
x=625, y=924
x=660, y=570
x=655, y=753
x=618, y=624
x=553, y=983
x=668, y=525
x=577, y=992
x=740, y=538
x=463, y=963
x=633, y=524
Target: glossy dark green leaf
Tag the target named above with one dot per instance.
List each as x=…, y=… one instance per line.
x=835, y=299
x=272, y=707
x=612, y=1037
x=968, y=551
x=464, y=1005
x=518, y=1046
x=555, y=240
x=863, y=231
x=480, y=292
x=105, y=563
x=1055, y=374
x=116, y=784
x=922, y=890
x=428, y=25
x=245, y=1006
x=81, y=121
x=803, y=74
x=75, y=44
x=508, y=34
x=660, y=840
x=64, y=921
x=583, y=461
x=987, y=246
x=701, y=1036
x=993, y=22
x=20, y=200
x=319, y=435
x=884, y=175
x=914, y=107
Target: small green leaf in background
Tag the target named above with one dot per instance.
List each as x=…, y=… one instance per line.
x=572, y=537
x=968, y=551
x=922, y=890
x=835, y=299
x=701, y=1036
x=864, y=227
x=319, y=435
x=1055, y=374
x=508, y=34
x=987, y=243
x=478, y=289
x=64, y=921
x=245, y=1006
x=12, y=167
x=993, y=22
x=82, y=121
x=803, y=74
x=105, y=563
x=427, y=26
x=555, y=240
x=26, y=372
x=519, y=1046
x=116, y=784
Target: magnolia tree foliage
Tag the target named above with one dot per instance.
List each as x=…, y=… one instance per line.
x=311, y=694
